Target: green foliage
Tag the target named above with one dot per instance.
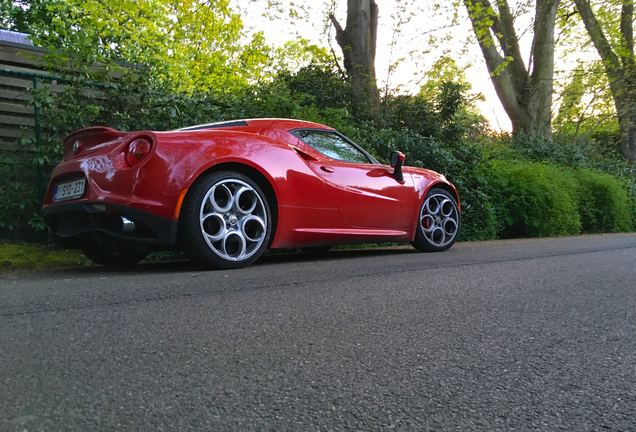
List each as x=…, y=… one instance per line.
x=604, y=202
x=191, y=45
x=444, y=70
x=413, y=113
x=296, y=54
x=534, y=200
x=11, y=16
x=565, y=150
x=327, y=90
x=539, y=149
x=18, y=209
x=448, y=116
x=537, y=200
x=586, y=105
x=16, y=256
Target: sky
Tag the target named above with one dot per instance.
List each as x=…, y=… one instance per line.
x=413, y=34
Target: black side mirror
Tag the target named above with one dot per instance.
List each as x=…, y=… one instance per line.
x=397, y=160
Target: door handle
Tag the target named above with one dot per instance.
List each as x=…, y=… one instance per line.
x=327, y=169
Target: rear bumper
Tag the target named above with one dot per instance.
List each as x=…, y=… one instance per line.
x=76, y=224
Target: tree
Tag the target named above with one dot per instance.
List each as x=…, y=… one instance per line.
x=358, y=42
x=614, y=42
x=444, y=70
x=192, y=45
x=586, y=105
x=11, y=16
x=525, y=91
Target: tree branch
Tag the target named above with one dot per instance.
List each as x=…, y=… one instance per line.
x=484, y=36
x=543, y=39
x=511, y=43
x=336, y=24
x=502, y=26
x=499, y=72
x=342, y=73
x=609, y=57
x=342, y=37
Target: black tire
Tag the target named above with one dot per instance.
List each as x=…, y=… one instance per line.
x=437, y=231
x=200, y=222
x=116, y=257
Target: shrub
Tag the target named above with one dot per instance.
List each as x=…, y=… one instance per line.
x=604, y=202
x=564, y=153
x=534, y=200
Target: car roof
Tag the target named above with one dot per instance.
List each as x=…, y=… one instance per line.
x=258, y=123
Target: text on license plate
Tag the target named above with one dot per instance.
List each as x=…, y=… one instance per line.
x=69, y=190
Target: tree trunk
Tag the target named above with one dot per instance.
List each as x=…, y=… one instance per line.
x=535, y=113
x=620, y=67
x=358, y=43
x=525, y=95
x=627, y=123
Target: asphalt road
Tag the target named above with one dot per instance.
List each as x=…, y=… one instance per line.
x=511, y=335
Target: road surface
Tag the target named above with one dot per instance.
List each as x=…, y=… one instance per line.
x=511, y=335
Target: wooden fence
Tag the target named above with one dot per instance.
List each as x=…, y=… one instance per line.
x=21, y=71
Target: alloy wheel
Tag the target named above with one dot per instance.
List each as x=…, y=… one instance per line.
x=233, y=220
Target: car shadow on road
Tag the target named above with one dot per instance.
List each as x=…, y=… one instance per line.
x=269, y=259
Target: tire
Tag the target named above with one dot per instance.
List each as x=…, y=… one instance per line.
x=438, y=222
x=225, y=221
x=116, y=257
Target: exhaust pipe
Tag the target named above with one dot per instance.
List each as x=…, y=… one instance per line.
x=127, y=225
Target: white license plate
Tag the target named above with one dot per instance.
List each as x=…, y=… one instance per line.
x=69, y=190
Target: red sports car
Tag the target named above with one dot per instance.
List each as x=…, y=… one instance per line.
x=225, y=192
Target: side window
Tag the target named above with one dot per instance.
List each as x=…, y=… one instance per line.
x=333, y=145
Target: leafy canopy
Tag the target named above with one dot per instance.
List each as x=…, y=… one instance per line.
x=192, y=44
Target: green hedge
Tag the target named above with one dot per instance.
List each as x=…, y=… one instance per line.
x=604, y=202
x=534, y=200
x=540, y=200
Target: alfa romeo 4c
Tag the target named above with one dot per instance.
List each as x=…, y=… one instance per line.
x=225, y=192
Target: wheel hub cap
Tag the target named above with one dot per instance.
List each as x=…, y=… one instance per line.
x=233, y=219
x=439, y=220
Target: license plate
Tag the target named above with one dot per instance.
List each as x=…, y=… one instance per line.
x=69, y=190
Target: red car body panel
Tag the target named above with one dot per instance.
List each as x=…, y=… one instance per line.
x=319, y=201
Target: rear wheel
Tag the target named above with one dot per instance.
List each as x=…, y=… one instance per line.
x=439, y=222
x=116, y=256
x=225, y=221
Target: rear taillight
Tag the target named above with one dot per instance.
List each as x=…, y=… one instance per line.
x=137, y=150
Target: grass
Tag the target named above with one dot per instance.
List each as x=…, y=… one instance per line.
x=33, y=256
x=21, y=256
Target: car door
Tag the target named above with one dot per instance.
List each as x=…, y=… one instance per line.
x=365, y=192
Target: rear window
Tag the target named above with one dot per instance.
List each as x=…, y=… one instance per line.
x=219, y=125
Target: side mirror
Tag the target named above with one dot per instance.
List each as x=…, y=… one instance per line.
x=397, y=160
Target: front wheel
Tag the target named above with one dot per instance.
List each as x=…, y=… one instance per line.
x=438, y=223
x=225, y=221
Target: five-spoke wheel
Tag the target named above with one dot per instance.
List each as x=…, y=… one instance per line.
x=438, y=222
x=226, y=221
